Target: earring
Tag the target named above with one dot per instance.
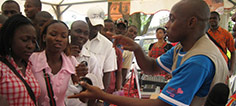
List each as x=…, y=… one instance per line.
x=9, y=52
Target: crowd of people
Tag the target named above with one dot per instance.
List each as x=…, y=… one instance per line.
x=43, y=62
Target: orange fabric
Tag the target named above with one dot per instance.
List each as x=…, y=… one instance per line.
x=225, y=39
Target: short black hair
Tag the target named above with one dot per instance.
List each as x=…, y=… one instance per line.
x=132, y=26
x=214, y=12
x=160, y=28
x=44, y=14
x=108, y=20
x=37, y=3
x=11, y=1
x=7, y=32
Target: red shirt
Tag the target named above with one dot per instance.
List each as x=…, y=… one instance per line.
x=13, y=89
x=157, y=51
x=224, y=39
x=112, y=85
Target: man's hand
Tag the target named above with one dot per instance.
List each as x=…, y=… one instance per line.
x=92, y=92
x=126, y=42
x=75, y=50
x=81, y=70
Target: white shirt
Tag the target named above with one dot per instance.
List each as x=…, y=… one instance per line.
x=102, y=48
x=69, y=92
x=92, y=61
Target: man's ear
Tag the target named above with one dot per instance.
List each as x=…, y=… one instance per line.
x=192, y=22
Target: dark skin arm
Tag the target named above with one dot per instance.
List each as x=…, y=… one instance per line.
x=93, y=92
x=124, y=73
x=232, y=62
x=118, y=79
x=147, y=64
x=106, y=80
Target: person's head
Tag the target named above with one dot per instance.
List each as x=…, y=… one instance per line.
x=188, y=20
x=17, y=38
x=56, y=37
x=121, y=26
x=95, y=19
x=109, y=26
x=41, y=18
x=10, y=8
x=32, y=7
x=2, y=20
x=160, y=33
x=79, y=33
x=131, y=32
x=214, y=20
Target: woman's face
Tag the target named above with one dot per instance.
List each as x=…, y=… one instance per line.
x=56, y=37
x=23, y=42
x=160, y=34
x=132, y=32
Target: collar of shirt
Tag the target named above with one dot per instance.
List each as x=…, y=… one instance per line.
x=28, y=67
x=217, y=30
x=84, y=52
x=98, y=37
x=66, y=63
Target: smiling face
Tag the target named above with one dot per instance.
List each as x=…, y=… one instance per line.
x=214, y=20
x=56, y=37
x=23, y=42
x=79, y=33
x=132, y=32
x=108, y=27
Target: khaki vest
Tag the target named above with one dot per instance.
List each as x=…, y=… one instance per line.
x=204, y=46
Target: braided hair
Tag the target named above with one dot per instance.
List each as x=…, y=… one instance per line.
x=7, y=32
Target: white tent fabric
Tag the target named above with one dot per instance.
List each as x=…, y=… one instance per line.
x=151, y=6
x=81, y=6
x=70, y=10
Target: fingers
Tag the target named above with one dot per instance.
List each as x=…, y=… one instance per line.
x=109, y=34
x=84, y=100
x=82, y=94
x=84, y=84
x=75, y=50
x=75, y=96
x=117, y=40
x=81, y=70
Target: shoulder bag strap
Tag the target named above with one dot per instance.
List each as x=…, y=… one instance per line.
x=217, y=44
x=49, y=88
x=30, y=92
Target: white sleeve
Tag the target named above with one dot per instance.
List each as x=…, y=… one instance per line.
x=110, y=63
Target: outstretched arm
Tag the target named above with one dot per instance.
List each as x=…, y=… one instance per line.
x=93, y=92
x=232, y=63
x=147, y=64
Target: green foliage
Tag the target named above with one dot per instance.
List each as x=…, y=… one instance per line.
x=231, y=23
x=141, y=21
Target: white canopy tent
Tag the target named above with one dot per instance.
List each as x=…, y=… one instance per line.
x=58, y=7
x=70, y=10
